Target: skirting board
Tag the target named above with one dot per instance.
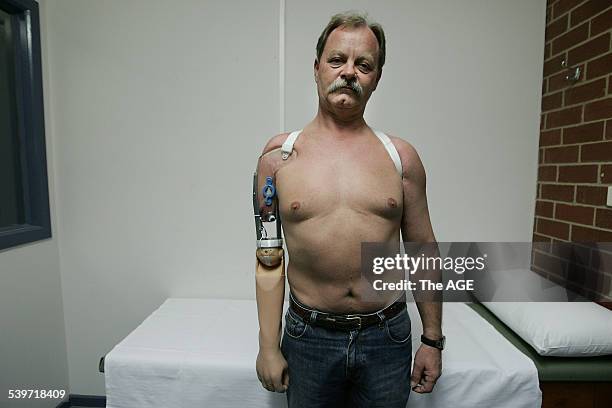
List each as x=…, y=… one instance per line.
x=78, y=400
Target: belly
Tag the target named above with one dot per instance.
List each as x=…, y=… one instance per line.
x=324, y=269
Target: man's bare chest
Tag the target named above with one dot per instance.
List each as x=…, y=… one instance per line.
x=318, y=182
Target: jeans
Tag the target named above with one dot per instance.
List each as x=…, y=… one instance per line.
x=359, y=368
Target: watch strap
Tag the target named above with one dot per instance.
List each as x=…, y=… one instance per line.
x=439, y=344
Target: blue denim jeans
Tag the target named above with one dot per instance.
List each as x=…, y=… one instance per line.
x=359, y=368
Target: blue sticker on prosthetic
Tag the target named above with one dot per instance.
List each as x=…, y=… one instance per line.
x=268, y=191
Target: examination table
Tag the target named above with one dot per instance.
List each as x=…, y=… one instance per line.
x=201, y=353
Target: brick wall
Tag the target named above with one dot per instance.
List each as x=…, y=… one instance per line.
x=575, y=157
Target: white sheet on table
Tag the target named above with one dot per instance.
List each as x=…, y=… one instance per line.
x=201, y=353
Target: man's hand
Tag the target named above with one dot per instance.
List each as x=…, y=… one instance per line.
x=272, y=370
x=427, y=369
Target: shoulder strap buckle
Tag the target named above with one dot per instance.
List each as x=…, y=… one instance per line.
x=287, y=147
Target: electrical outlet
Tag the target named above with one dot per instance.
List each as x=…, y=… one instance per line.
x=609, y=202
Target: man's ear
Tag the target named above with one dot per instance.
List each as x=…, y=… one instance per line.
x=316, y=70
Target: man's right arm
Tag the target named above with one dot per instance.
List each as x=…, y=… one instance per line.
x=270, y=282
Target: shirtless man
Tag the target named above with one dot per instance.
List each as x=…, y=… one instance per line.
x=337, y=188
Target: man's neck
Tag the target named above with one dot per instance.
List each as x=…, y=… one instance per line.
x=334, y=124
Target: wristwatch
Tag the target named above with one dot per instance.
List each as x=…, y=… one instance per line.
x=439, y=344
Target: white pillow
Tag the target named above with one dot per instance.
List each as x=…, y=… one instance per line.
x=564, y=329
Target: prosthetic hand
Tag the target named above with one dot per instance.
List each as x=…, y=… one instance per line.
x=270, y=285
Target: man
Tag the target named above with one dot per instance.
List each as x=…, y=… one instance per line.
x=337, y=186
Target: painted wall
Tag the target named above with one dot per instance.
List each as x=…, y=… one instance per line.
x=32, y=330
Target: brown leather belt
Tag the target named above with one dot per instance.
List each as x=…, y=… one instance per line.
x=346, y=321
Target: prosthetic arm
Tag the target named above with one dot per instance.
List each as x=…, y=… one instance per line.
x=269, y=263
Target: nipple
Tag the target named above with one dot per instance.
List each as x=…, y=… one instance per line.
x=391, y=202
x=295, y=205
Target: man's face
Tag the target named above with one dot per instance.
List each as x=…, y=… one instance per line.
x=347, y=72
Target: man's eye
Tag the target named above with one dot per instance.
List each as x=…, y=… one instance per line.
x=364, y=66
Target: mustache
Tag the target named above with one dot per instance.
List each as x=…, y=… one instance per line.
x=342, y=83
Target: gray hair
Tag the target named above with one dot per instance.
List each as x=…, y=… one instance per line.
x=353, y=19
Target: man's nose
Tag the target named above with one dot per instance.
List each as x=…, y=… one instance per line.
x=348, y=72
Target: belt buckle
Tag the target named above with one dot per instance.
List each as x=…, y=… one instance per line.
x=343, y=320
x=358, y=318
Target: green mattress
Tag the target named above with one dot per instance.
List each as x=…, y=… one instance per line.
x=553, y=368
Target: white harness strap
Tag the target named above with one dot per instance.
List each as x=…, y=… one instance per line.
x=287, y=147
x=391, y=150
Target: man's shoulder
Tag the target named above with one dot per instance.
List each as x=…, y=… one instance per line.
x=270, y=158
x=275, y=142
x=411, y=162
x=404, y=148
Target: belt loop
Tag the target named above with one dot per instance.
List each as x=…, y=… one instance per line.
x=313, y=317
x=381, y=316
